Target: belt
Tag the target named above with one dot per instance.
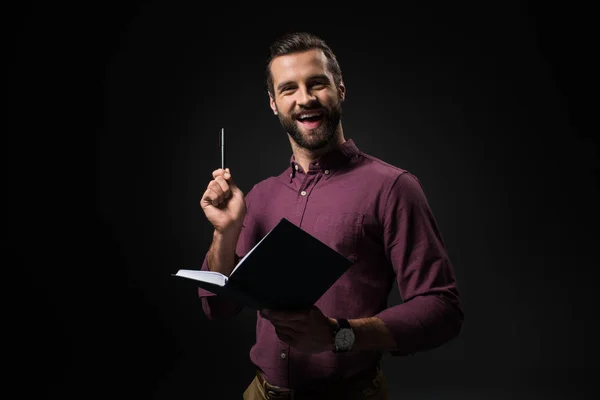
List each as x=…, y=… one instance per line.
x=274, y=392
x=364, y=385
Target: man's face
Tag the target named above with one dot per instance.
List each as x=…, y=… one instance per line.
x=305, y=98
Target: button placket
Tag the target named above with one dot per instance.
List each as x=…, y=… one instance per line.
x=309, y=181
x=306, y=187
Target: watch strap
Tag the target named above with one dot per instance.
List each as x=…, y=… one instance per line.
x=343, y=323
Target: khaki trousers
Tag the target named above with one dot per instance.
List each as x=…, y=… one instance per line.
x=379, y=391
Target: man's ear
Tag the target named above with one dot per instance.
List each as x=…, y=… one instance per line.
x=342, y=90
x=272, y=103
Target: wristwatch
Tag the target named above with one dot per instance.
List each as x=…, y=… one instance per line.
x=343, y=337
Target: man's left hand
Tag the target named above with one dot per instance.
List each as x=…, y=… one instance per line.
x=309, y=331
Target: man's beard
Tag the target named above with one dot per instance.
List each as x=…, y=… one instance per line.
x=319, y=136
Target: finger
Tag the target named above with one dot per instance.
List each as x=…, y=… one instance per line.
x=208, y=198
x=285, y=315
x=224, y=186
x=295, y=326
x=218, y=172
x=288, y=337
x=215, y=187
x=286, y=330
x=228, y=177
x=214, y=193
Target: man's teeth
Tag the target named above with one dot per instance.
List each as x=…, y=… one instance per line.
x=304, y=116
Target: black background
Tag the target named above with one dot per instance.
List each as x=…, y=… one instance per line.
x=114, y=111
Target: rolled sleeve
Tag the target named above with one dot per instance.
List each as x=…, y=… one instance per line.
x=431, y=313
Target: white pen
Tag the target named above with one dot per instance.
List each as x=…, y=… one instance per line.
x=222, y=143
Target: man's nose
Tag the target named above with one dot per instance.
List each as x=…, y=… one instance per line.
x=305, y=97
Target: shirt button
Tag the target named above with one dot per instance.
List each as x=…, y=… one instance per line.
x=296, y=166
x=282, y=354
x=326, y=172
x=303, y=193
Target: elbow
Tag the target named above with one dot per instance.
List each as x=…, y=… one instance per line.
x=444, y=325
x=453, y=319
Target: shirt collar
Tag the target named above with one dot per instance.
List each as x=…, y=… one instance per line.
x=331, y=160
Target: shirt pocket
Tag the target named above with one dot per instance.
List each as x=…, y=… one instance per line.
x=341, y=231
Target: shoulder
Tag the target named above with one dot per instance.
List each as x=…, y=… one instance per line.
x=269, y=183
x=267, y=186
x=396, y=184
x=388, y=176
x=380, y=167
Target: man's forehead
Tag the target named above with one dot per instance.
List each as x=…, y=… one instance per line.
x=311, y=62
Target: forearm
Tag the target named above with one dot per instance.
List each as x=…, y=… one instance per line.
x=221, y=255
x=372, y=334
x=423, y=323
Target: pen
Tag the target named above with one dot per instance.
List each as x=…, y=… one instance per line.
x=222, y=143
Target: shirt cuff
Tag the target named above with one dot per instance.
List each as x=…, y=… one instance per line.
x=405, y=328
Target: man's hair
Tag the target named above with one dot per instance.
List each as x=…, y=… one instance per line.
x=299, y=42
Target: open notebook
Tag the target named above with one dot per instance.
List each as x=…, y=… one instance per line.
x=288, y=269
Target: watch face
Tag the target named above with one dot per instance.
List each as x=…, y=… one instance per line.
x=344, y=339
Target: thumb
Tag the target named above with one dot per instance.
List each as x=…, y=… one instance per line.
x=230, y=181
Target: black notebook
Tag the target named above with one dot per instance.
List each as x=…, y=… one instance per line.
x=289, y=269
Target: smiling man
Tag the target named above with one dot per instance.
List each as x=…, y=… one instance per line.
x=307, y=101
x=374, y=213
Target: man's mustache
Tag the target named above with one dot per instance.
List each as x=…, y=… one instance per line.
x=315, y=105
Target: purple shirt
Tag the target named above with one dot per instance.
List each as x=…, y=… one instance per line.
x=376, y=215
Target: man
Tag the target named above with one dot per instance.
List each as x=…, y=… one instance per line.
x=374, y=213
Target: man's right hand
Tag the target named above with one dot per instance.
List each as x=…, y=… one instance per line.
x=223, y=203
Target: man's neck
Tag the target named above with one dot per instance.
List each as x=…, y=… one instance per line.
x=304, y=156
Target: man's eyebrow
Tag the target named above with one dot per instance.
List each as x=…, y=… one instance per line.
x=318, y=77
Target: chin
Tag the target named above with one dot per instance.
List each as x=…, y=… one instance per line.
x=315, y=144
